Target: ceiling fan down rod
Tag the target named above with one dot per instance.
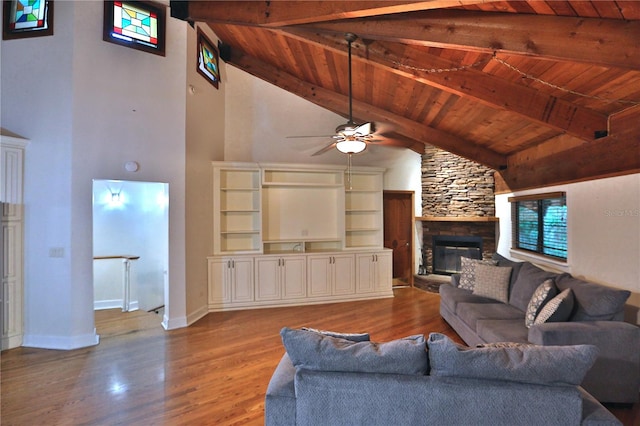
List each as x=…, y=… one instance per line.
x=350, y=37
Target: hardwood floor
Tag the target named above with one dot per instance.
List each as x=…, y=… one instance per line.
x=212, y=373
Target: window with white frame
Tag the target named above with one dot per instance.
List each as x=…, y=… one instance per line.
x=540, y=224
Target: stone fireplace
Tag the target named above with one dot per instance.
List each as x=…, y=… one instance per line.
x=458, y=206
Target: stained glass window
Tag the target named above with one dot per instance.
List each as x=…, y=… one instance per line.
x=135, y=24
x=131, y=22
x=27, y=18
x=208, y=64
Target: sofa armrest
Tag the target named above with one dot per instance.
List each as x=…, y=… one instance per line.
x=615, y=375
x=617, y=338
x=455, y=280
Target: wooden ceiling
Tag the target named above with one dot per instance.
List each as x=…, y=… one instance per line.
x=544, y=92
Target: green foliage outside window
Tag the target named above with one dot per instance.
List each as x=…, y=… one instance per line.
x=540, y=225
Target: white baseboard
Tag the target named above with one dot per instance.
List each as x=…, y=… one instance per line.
x=173, y=323
x=195, y=316
x=61, y=342
x=113, y=304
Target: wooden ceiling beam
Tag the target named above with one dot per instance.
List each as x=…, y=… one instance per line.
x=482, y=87
x=605, y=42
x=545, y=165
x=283, y=13
x=338, y=103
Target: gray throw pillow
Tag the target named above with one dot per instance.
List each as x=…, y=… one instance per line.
x=547, y=365
x=492, y=282
x=528, y=279
x=468, y=271
x=545, y=292
x=593, y=302
x=318, y=352
x=557, y=309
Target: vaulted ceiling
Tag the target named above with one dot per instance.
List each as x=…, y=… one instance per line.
x=544, y=92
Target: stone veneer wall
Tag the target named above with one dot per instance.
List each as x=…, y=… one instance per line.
x=453, y=186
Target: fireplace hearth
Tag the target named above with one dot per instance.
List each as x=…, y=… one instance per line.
x=448, y=249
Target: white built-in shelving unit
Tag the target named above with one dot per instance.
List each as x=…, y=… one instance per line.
x=296, y=234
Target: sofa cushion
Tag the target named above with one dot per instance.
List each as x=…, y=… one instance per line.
x=528, y=279
x=523, y=363
x=468, y=271
x=354, y=337
x=470, y=313
x=502, y=330
x=319, y=352
x=557, y=309
x=492, y=282
x=594, y=302
x=452, y=296
x=545, y=292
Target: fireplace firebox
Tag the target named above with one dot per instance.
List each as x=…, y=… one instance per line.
x=448, y=249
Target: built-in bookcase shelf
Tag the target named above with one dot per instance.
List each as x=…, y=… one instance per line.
x=363, y=209
x=288, y=208
x=237, y=209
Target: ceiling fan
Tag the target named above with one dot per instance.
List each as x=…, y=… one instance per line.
x=350, y=138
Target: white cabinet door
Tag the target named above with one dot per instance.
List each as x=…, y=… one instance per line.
x=280, y=277
x=219, y=281
x=230, y=280
x=373, y=272
x=365, y=272
x=294, y=277
x=331, y=274
x=320, y=271
x=343, y=274
x=384, y=271
x=242, y=280
x=267, y=278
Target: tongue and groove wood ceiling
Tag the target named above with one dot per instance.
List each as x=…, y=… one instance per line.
x=544, y=92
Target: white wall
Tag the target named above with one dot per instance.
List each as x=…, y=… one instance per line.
x=205, y=132
x=603, y=220
x=89, y=106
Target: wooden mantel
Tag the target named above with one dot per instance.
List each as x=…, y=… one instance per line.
x=457, y=219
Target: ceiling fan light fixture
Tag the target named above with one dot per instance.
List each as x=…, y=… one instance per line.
x=353, y=146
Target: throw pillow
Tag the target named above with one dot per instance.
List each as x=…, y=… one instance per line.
x=557, y=309
x=354, y=337
x=492, y=282
x=468, y=271
x=527, y=281
x=593, y=302
x=545, y=292
x=319, y=352
x=523, y=363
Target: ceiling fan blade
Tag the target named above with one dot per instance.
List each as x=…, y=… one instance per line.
x=364, y=129
x=325, y=149
x=393, y=140
x=308, y=136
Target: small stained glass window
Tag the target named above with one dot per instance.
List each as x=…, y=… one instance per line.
x=27, y=18
x=140, y=25
x=208, y=62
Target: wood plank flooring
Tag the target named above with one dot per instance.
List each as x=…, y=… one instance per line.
x=212, y=373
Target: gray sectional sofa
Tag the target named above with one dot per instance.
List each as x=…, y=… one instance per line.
x=573, y=312
x=348, y=380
